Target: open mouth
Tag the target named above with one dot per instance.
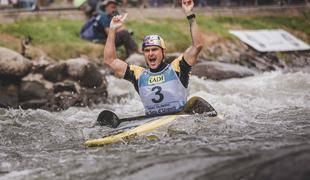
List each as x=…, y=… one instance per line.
x=152, y=61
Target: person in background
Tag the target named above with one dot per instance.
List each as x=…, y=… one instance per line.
x=27, y=4
x=123, y=36
x=201, y=3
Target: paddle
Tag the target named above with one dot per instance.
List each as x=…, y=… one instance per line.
x=194, y=105
x=109, y=118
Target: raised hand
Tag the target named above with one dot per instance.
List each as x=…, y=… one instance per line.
x=187, y=6
x=117, y=21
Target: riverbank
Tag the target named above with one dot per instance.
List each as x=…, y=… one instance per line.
x=57, y=37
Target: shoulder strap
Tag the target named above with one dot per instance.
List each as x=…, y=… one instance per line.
x=137, y=70
x=176, y=64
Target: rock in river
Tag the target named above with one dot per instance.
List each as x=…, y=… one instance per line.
x=32, y=90
x=55, y=72
x=13, y=65
x=85, y=72
x=33, y=94
x=220, y=71
x=8, y=95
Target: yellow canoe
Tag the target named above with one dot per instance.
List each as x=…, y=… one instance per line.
x=137, y=131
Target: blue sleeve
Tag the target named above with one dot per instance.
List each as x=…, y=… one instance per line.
x=104, y=21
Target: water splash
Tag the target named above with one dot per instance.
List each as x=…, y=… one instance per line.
x=267, y=112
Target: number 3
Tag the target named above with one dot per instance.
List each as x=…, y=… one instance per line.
x=157, y=90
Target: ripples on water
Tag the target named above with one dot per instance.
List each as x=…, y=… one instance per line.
x=263, y=133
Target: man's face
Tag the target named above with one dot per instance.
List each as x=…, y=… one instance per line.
x=110, y=9
x=153, y=56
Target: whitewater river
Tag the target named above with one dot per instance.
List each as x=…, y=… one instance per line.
x=263, y=133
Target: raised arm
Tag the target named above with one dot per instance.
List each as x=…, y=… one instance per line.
x=191, y=53
x=109, y=58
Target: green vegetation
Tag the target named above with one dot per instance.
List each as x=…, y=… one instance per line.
x=173, y=31
x=46, y=31
x=299, y=23
x=59, y=38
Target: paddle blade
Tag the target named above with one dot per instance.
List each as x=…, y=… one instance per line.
x=108, y=118
x=199, y=105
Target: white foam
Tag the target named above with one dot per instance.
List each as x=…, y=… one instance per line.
x=254, y=94
x=20, y=174
x=234, y=97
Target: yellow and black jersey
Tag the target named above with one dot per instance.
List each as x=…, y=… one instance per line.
x=179, y=65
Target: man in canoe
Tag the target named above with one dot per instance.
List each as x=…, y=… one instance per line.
x=162, y=87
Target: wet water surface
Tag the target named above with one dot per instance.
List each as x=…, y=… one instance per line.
x=263, y=133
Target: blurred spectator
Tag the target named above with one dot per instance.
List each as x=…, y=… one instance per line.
x=201, y=3
x=156, y=3
x=92, y=7
x=4, y=2
x=123, y=36
x=214, y=2
x=99, y=26
x=13, y=1
x=176, y=3
x=28, y=4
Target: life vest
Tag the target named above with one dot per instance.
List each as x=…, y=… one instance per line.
x=161, y=92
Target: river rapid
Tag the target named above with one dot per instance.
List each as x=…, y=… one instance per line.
x=263, y=132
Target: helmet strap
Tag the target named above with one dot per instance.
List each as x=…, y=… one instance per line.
x=164, y=53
